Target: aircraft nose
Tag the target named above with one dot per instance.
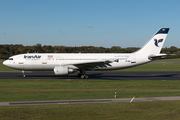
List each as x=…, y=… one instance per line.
x=5, y=63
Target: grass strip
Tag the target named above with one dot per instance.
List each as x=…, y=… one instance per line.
x=168, y=60
x=41, y=90
x=156, y=110
x=155, y=67
x=4, y=68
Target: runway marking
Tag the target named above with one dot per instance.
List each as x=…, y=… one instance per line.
x=132, y=99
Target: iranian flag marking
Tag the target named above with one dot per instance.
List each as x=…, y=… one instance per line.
x=50, y=56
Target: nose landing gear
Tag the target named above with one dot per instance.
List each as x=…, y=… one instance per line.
x=23, y=72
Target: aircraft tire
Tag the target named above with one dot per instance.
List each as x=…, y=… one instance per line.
x=82, y=76
x=86, y=76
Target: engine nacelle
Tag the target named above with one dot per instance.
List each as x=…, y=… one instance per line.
x=62, y=70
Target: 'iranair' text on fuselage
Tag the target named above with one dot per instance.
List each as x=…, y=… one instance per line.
x=32, y=57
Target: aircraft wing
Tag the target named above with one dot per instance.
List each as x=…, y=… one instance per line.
x=93, y=64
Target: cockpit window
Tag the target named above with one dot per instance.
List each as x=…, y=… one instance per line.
x=10, y=59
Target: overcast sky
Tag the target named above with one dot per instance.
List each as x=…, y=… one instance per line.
x=106, y=23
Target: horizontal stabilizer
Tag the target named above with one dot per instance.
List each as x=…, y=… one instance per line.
x=157, y=56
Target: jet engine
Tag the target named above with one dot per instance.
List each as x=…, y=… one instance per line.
x=62, y=70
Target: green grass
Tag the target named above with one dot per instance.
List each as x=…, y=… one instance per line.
x=156, y=110
x=169, y=60
x=4, y=68
x=40, y=90
x=155, y=67
x=34, y=90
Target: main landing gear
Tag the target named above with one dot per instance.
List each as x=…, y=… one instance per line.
x=23, y=72
x=82, y=74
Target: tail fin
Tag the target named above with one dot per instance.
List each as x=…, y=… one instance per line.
x=154, y=45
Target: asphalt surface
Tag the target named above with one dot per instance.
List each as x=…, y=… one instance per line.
x=174, y=75
x=88, y=101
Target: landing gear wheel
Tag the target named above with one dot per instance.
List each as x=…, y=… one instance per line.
x=82, y=76
x=23, y=72
x=86, y=76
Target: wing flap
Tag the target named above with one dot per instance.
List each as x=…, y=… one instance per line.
x=93, y=64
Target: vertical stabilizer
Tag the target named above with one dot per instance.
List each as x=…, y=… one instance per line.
x=154, y=45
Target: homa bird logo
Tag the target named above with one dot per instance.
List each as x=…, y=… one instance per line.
x=157, y=41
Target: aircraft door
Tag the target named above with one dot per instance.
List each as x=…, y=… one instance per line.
x=21, y=62
x=44, y=59
x=133, y=58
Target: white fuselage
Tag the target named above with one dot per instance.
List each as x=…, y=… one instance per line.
x=48, y=61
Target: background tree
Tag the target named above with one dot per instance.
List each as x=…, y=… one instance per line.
x=8, y=50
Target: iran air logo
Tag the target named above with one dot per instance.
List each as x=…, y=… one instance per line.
x=156, y=42
x=32, y=57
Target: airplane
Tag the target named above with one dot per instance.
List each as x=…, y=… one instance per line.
x=66, y=63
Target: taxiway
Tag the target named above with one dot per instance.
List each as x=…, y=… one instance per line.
x=174, y=75
x=89, y=101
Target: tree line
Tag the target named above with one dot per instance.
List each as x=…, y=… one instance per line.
x=9, y=50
